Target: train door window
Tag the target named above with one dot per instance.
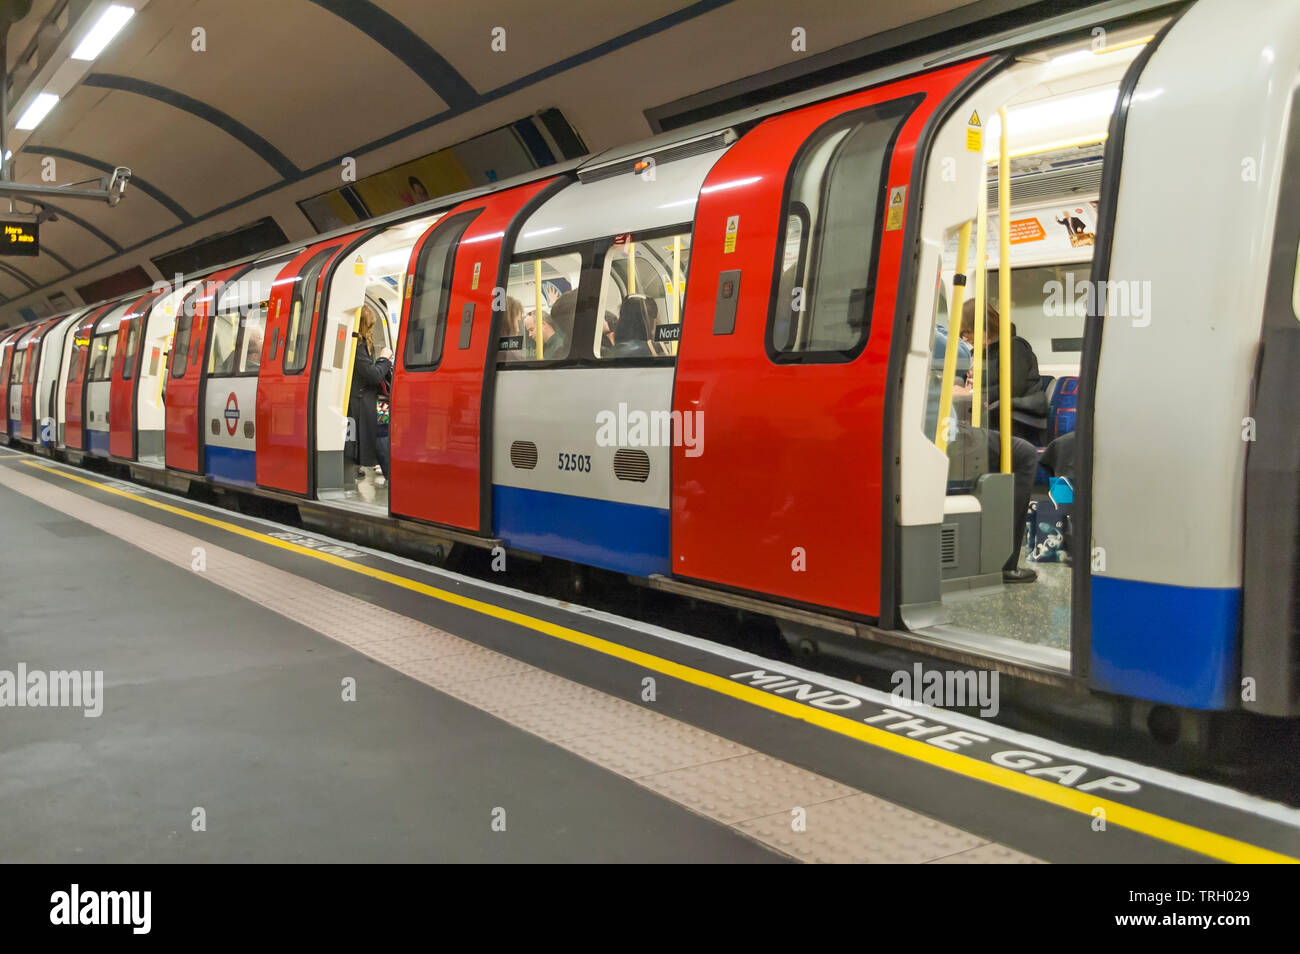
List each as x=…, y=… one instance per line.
x=549, y=285
x=300, y=313
x=251, y=330
x=16, y=372
x=132, y=342
x=825, y=281
x=225, y=338
x=78, y=363
x=643, y=287
x=181, y=340
x=430, y=294
x=103, y=349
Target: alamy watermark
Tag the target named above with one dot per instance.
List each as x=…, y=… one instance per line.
x=950, y=689
x=57, y=688
x=634, y=428
x=1123, y=299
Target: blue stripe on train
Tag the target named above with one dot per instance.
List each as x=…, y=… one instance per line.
x=97, y=443
x=1172, y=644
x=616, y=536
x=15, y=427
x=231, y=465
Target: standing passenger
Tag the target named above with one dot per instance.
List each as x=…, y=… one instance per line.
x=367, y=374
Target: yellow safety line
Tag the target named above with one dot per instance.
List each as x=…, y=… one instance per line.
x=1155, y=826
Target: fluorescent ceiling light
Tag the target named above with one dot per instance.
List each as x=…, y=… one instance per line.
x=102, y=33
x=37, y=111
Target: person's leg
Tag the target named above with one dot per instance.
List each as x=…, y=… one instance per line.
x=1024, y=466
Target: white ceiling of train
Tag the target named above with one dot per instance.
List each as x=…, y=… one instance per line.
x=262, y=117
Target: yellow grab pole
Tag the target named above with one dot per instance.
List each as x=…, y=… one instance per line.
x=677, y=276
x=537, y=313
x=631, y=267
x=954, y=337
x=1004, y=294
x=981, y=256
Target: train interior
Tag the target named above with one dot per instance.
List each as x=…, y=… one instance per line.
x=1058, y=106
x=374, y=275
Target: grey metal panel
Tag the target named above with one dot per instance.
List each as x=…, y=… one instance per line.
x=996, y=493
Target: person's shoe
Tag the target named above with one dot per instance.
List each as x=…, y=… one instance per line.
x=1019, y=575
x=380, y=479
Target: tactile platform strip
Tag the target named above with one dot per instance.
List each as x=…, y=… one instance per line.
x=793, y=811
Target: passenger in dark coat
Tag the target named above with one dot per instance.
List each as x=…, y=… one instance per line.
x=367, y=373
x=1029, y=405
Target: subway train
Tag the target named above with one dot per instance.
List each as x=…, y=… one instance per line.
x=714, y=362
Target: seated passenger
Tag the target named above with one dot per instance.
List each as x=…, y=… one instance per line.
x=632, y=333
x=513, y=327
x=1029, y=405
x=254, y=359
x=607, y=334
x=563, y=311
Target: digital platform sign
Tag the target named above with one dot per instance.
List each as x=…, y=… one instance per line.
x=19, y=238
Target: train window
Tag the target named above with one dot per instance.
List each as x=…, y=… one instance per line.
x=103, y=348
x=225, y=336
x=128, y=357
x=548, y=284
x=300, y=313
x=642, y=292
x=825, y=271
x=78, y=363
x=181, y=343
x=430, y=293
x=250, y=358
x=16, y=372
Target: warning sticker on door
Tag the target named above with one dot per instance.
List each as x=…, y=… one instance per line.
x=359, y=266
x=974, y=133
x=733, y=227
x=897, y=203
x=478, y=267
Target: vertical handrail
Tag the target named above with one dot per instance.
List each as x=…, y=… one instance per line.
x=981, y=261
x=1004, y=294
x=537, y=308
x=954, y=337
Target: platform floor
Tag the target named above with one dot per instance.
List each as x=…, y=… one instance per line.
x=487, y=725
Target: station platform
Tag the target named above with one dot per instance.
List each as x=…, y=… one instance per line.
x=271, y=694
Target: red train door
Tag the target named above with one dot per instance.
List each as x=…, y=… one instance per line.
x=6, y=369
x=29, y=417
x=184, y=392
x=441, y=388
x=799, y=236
x=74, y=391
x=285, y=411
x=125, y=379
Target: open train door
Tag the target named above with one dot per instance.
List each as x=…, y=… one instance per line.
x=20, y=357
x=35, y=350
x=74, y=389
x=442, y=388
x=8, y=355
x=291, y=349
x=799, y=236
x=184, y=442
x=126, y=379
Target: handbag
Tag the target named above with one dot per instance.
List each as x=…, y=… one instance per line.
x=382, y=408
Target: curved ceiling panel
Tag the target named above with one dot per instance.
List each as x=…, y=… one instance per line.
x=305, y=80
x=196, y=163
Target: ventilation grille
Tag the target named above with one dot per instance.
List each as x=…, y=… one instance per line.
x=948, y=545
x=523, y=454
x=632, y=465
x=693, y=147
x=1057, y=184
